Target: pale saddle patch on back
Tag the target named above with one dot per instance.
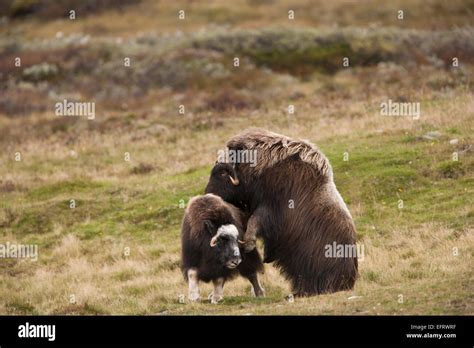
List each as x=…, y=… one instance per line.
x=273, y=148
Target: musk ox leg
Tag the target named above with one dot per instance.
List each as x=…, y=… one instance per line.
x=250, y=235
x=339, y=276
x=249, y=268
x=257, y=288
x=254, y=228
x=218, y=292
x=193, y=281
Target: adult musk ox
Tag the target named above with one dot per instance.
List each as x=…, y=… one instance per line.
x=295, y=208
x=210, y=248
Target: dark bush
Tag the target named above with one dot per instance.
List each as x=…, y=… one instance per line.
x=47, y=9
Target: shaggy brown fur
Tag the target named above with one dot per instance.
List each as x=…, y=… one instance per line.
x=295, y=208
x=273, y=148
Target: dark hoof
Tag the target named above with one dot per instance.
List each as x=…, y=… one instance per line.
x=259, y=292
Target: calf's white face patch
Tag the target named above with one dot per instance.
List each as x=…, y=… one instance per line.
x=229, y=230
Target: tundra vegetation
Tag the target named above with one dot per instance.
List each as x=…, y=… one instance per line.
x=103, y=199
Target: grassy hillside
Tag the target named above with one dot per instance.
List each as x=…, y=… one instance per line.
x=118, y=251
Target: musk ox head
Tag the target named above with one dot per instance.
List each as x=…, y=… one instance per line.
x=224, y=182
x=225, y=245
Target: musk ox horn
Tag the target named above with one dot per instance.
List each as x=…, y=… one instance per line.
x=240, y=241
x=213, y=241
x=235, y=181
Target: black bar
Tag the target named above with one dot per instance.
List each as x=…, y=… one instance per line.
x=329, y=330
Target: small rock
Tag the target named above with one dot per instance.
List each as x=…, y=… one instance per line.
x=84, y=40
x=353, y=297
x=431, y=135
x=454, y=141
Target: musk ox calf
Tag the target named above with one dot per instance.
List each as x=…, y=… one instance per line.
x=210, y=249
x=295, y=208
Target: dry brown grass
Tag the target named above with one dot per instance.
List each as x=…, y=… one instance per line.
x=103, y=282
x=249, y=14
